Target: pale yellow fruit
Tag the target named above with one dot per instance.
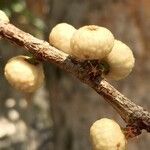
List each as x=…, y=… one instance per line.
x=60, y=37
x=106, y=134
x=120, y=61
x=91, y=42
x=23, y=75
x=3, y=17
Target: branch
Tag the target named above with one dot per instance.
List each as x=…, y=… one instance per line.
x=88, y=72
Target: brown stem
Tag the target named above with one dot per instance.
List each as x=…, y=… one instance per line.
x=87, y=72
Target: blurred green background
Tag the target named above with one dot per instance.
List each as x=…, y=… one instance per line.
x=58, y=116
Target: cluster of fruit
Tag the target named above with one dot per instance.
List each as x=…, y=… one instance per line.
x=94, y=43
x=87, y=43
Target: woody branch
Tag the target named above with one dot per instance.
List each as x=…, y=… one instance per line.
x=87, y=72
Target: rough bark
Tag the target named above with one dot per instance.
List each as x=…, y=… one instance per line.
x=86, y=72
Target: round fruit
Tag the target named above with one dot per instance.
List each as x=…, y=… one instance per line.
x=106, y=134
x=3, y=17
x=60, y=37
x=120, y=61
x=91, y=42
x=24, y=75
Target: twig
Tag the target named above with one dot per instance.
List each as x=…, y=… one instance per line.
x=134, y=115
